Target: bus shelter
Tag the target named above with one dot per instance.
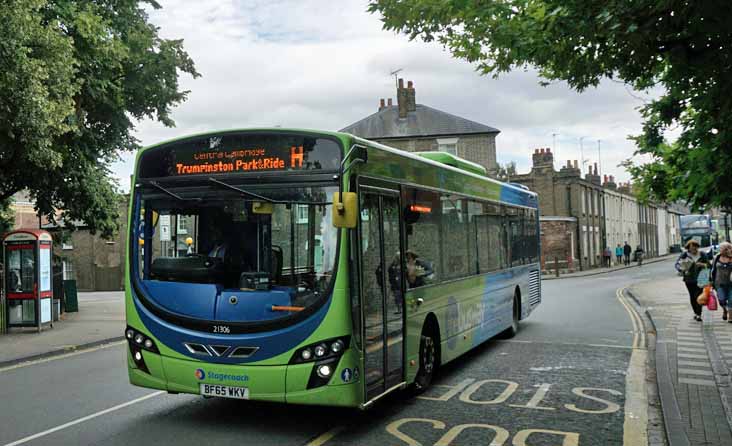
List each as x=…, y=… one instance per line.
x=27, y=255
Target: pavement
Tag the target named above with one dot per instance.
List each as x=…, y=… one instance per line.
x=100, y=320
x=693, y=361
x=604, y=270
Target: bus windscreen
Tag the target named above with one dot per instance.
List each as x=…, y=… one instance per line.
x=224, y=256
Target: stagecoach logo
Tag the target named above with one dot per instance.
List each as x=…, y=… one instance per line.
x=216, y=376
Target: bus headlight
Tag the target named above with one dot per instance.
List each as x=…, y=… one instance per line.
x=337, y=346
x=320, y=350
x=140, y=341
x=324, y=371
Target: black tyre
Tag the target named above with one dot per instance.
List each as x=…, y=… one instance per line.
x=427, y=362
x=514, y=328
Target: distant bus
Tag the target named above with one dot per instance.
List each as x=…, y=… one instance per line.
x=697, y=227
x=316, y=267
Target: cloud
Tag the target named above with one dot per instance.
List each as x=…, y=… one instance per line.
x=324, y=65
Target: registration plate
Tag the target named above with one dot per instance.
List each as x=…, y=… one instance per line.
x=240, y=393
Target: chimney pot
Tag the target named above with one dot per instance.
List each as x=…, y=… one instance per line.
x=576, y=164
x=548, y=150
x=604, y=177
x=381, y=104
x=401, y=83
x=569, y=164
x=536, y=151
x=410, y=84
x=388, y=102
x=541, y=150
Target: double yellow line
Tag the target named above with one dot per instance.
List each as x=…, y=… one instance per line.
x=639, y=331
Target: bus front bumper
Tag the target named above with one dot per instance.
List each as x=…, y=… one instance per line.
x=278, y=383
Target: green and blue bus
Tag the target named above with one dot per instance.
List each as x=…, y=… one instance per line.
x=313, y=267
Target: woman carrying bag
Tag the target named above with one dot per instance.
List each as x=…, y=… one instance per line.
x=722, y=280
x=689, y=264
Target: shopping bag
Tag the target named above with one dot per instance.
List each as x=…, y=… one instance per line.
x=703, y=298
x=702, y=279
x=712, y=304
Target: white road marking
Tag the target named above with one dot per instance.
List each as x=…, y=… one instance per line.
x=693, y=363
x=86, y=418
x=700, y=348
x=691, y=356
x=697, y=382
x=700, y=372
x=61, y=356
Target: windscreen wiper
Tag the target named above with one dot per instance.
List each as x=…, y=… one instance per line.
x=156, y=185
x=243, y=192
x=262, y=197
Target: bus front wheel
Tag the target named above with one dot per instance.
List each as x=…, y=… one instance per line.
x=427, y=362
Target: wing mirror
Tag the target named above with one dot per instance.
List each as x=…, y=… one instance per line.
x=345, y=210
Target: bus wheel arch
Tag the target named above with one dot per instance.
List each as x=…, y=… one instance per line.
x=429, y=353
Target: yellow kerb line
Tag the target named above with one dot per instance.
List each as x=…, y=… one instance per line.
x=325, y=437
x=639, y=335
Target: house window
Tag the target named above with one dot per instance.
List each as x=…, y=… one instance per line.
x=447, y=145
x=68, y=270
x=302, y=213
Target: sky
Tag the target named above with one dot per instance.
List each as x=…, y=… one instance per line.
x=324, y=65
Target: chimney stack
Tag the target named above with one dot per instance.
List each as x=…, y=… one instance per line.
x=381, y=104
x=402, y=99
x=543, y=158
x=411, y=97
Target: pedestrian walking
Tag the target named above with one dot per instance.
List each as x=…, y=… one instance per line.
x=688, y=265
x=638, y=255
x=720, y=275
x=607, y=256
x=626, y=252
x=619, y=254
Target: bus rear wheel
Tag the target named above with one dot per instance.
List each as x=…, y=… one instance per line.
x=427, y=362
x=516, y=316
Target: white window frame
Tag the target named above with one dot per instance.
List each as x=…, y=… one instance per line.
x=448, y=145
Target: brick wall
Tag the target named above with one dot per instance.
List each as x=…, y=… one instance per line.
x=557, y=243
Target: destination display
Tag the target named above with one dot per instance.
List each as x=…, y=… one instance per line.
x=240, y=153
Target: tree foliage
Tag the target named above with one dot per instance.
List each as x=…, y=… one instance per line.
x=76, y=76
x=506, y=171
x=680, y=45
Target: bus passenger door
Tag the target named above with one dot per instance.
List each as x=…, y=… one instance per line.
x=382, y=292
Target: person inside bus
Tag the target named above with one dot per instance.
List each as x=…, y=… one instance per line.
x=419, y=272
